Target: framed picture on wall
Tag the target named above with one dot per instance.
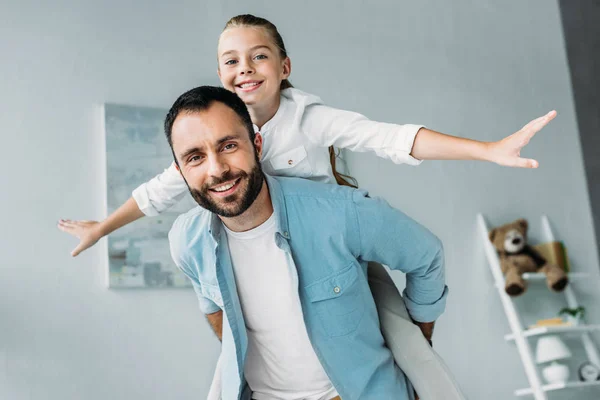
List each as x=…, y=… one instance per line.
x=136, y=151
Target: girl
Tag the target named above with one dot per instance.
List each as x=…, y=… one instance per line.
x=298, y=130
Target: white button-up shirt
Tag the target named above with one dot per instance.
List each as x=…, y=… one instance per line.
x=295, y=143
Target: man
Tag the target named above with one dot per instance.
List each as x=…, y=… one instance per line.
x=285, y=260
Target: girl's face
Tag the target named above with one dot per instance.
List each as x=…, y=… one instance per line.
x=251, y=66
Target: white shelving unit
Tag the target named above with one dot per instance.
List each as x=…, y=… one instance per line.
x=520, y=335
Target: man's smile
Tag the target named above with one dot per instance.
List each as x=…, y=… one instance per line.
x=225, y=189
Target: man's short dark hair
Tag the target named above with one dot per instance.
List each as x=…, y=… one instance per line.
x=199, y=99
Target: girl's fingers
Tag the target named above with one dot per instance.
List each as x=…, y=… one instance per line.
x=77, y=250
x=65, y=225
x=527, y=163
x=534, y=126
x=69, y=229
x=75, y=224
x=80, y=230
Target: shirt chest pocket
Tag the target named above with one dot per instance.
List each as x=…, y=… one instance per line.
x=212, y=293
x=293, y=162
x=339, y=301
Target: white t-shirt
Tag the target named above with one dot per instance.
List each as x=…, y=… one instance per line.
x=281, y=362
x=296, y=142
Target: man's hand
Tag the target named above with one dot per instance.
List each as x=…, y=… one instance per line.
x=427, y=329
x=216, y=323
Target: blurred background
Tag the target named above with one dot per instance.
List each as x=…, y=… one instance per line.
x=479, y=69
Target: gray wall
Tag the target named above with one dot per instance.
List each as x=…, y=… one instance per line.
x=474, y=68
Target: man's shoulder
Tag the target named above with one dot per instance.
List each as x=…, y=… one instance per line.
x=190, y=227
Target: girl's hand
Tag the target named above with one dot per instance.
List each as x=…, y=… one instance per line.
x=507, y=151
x=88, y=233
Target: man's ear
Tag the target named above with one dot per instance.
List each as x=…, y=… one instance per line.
x=287, y=67
x=177, y=167
x=258, y=144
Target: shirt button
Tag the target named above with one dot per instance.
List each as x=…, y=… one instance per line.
x=290, y=162
x=286, y=234
x=336, y=289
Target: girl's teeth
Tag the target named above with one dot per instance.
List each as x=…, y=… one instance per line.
x=247, y=85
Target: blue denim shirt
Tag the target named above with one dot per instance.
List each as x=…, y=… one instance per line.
x=331, y=233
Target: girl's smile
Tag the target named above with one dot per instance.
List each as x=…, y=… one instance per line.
x=248, y=86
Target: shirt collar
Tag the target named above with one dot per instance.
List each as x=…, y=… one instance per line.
x=279, y=207
x=279, y=210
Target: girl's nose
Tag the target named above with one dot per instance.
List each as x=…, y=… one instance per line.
x=246, y=68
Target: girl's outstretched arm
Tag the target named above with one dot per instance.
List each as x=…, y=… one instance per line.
x=151, y=198
x=89, y=232
x=432, y=145
x=408, y=143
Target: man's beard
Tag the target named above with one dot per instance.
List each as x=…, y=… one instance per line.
x=237, y=203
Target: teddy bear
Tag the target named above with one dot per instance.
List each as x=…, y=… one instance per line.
x=517, y=257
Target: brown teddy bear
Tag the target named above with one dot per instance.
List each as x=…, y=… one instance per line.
x=517, y=257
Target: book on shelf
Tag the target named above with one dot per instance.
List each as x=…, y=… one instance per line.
x=550, y=322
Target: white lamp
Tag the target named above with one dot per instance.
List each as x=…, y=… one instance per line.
x=551, y=348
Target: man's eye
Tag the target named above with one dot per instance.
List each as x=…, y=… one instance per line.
x=229, y=146
x=230, y=62
x=194, y=159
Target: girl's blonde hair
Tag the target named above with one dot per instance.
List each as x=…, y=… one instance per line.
x=248, y=20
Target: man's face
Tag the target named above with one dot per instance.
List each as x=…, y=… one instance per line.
x=217, y=159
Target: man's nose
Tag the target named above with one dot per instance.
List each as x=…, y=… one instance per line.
x=217, y=166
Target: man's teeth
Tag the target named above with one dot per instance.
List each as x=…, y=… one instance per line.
x=224, y=187
x=247, y=85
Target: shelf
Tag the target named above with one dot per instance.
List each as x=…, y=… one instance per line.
x=538, y=389
x=557, y=386
x=538, y=276
x=542, y=330
x=535, y=277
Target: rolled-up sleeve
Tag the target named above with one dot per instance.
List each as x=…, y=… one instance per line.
x=390, y=237
x=328, y=126
x=206, y=305
x=161, y=192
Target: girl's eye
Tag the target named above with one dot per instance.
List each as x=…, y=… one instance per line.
x=230, y=62
x=260, y=57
